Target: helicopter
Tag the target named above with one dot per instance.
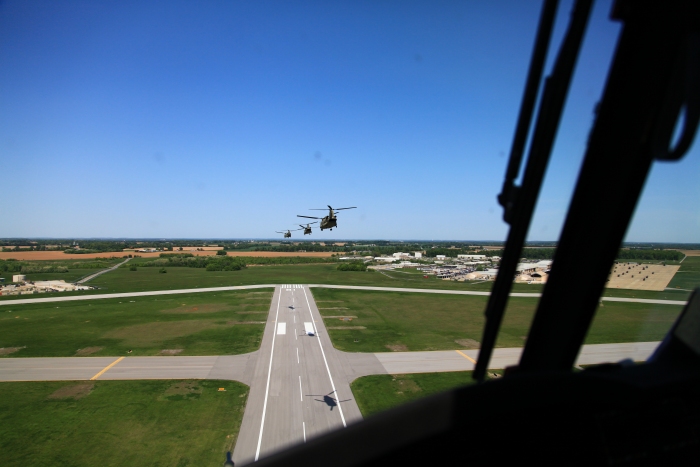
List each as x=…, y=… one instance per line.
x=329, y=221
x=288, y=233
x=307, y=229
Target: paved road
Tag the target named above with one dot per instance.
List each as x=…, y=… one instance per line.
x=230, y=367
x=23, y=301
x=299, y=389
x=242, y=367
x=92, y=276
x=464, y=360
x=350, y=287
x=473, y=292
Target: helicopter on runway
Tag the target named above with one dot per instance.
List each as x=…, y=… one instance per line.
x=329, y=221
x=288, y=233
x=307, y=229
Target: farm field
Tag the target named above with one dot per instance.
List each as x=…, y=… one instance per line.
x=221, y=323
x=119, y=423
x=371, y=321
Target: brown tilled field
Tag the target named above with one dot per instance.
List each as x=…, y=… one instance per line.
x=58, y=255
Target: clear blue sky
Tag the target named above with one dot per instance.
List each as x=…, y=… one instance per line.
x=226, y=119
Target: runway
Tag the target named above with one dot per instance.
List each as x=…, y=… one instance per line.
x=298, y=389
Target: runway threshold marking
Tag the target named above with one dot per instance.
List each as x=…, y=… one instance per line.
x=106, y=368
x=466, y=356
x=342, y=417
x=267, y=387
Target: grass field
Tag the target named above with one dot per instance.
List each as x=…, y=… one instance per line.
x=386, y=321
x=381, y=392
x=220, y=323
x=688, y=276
x=119, y=423
x=124, y=280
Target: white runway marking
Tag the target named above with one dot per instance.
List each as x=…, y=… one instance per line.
x=340, y=408
x=301, y=392
x=297, y=354
x=303, y=427
x=281, y=328
x=267, y=388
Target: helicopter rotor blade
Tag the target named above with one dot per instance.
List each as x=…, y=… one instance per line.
x=340, y=209
x=309, y=217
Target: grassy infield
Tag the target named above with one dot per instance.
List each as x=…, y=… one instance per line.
x=178, y=423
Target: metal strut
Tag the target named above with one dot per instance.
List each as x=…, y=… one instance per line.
x=519, y=202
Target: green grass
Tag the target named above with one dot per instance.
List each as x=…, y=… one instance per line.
x=120, y=423
x=377, y=393
x=688, y=276
x=417, y=322
x=124, y=280
x=200, y=324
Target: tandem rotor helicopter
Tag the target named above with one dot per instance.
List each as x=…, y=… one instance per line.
x=329, y=221
x=288, y=233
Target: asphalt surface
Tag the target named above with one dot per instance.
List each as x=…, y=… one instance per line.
x=299, y=389
x=21, y=301
x=464, y=360
x=92, y=276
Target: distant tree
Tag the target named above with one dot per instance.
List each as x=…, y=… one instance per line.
x=221, y=253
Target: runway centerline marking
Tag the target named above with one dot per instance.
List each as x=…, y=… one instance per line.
x=466, y=356
x=303, y=427
x=106, y=368
x=267, y=387
x=301, y=391
x=297, y=354
x=342, y=417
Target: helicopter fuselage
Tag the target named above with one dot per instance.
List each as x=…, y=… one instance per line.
x=329, y=222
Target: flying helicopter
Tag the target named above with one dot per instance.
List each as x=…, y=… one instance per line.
x=329, y=221
x=288, y=233
x=307, y=229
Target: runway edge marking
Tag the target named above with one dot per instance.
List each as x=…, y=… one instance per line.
x=313, y=321
x=104, y=370
x=269, y=372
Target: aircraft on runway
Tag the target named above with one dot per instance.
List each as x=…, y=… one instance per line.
x=307, y=229
x=329, y=221
x=288, y=233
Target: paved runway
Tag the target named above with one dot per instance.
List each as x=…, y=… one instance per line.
x=299, y=389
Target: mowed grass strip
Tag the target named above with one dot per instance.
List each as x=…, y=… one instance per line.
x=378, y=393
x=119, y=423
x=688, y=276
x=418, y=322
x=199, y=324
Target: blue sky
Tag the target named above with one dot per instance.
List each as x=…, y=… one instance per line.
x=227, y=119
